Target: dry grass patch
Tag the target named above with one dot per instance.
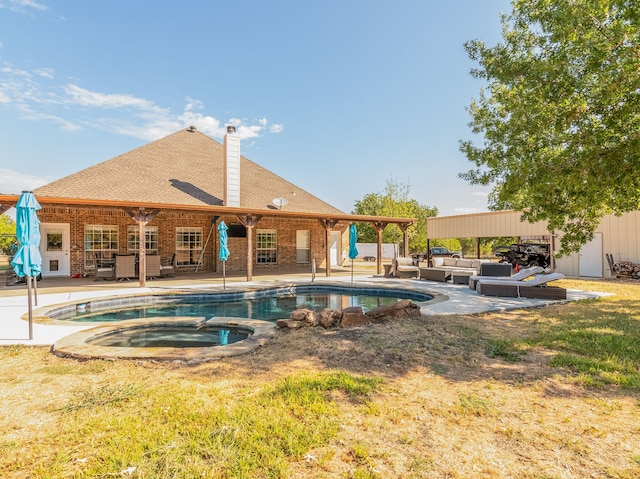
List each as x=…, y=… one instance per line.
x=486, y=396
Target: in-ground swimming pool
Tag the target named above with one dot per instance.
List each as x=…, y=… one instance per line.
x=268, y=304
x=158, y=319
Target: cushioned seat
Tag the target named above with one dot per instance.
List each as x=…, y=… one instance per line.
x=535, y=288
x=519, y=276
x=404, y=268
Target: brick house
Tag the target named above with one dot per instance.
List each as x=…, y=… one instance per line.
x=175, y=191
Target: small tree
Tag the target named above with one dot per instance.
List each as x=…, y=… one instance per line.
x=7, y=233
x=394, y=201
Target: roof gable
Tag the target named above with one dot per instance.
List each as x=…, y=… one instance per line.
x=184, y=168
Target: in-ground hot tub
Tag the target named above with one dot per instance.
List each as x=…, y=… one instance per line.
x=167, y=339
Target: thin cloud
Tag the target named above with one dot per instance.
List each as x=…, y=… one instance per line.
x=13, y=182
x=23, y=6
x=466, y=211
x=45, y=72
x=73, y=107
x=84, y=97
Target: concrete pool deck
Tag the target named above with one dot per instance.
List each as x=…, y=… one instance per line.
x=452, y=298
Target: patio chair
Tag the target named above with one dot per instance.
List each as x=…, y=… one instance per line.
x=535, y=288
x=519, y=276
x=152, y=266
x=125, y=267
x=103, y=269
x=169, y=268
x=404, y=268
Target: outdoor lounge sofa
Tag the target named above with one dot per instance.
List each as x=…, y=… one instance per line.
x=535, y=288
x=519, y=276
x=456, y=269
x=404, y=268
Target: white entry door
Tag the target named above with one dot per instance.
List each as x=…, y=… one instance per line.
x=54, y=248
x=591, y=258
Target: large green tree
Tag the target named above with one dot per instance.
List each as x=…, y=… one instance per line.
x=394, y=201
x=560, y=115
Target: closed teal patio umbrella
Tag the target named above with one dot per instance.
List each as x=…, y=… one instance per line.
x=27, y=261
x=224, y=250
x=353, y=251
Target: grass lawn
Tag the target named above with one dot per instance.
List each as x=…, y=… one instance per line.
x=543, y=393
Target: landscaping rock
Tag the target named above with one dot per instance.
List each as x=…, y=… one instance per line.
x=329, y=318
x=402, y=309
x=354, y=319
x=353, y=309
x=306, y=315
x=291, y=324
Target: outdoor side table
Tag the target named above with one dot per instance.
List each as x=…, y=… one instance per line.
x=387, y=270
x=461, y=277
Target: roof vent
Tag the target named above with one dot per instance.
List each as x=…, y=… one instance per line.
x=191, y=129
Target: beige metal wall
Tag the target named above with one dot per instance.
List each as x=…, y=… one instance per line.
x=483, y=225
x=620, y=235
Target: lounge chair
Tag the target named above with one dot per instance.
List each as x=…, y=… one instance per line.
x=523, y=274
x=535, y=288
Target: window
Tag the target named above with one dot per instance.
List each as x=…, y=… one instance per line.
x=188, y=246
x=266, y=247
x=100, y=243
x=303, y=246
x=150, y=236
x=54, y=242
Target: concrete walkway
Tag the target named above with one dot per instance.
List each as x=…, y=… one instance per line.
x=452, y=299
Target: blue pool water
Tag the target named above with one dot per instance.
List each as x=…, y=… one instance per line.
x=270, y=307
x=172, y=336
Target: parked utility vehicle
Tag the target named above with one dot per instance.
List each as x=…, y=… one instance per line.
x=525, y=255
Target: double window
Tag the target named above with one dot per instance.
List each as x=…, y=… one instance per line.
x=100, y=243
x=150, y=237
x=266, y=247
x=188, y=246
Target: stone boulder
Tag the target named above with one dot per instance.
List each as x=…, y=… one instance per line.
x=353, y=309
x=306, y=315
x=350, y=320
x=329, y=318
x=290, y=324
x=402, y=309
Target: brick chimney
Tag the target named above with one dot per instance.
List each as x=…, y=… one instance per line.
x=231, y=167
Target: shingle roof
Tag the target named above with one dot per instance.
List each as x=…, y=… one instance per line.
x=184, y=168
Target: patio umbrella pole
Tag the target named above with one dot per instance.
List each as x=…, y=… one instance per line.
x=353, y=250
x=224, y=251
x=27, y=261
x=30, y=311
